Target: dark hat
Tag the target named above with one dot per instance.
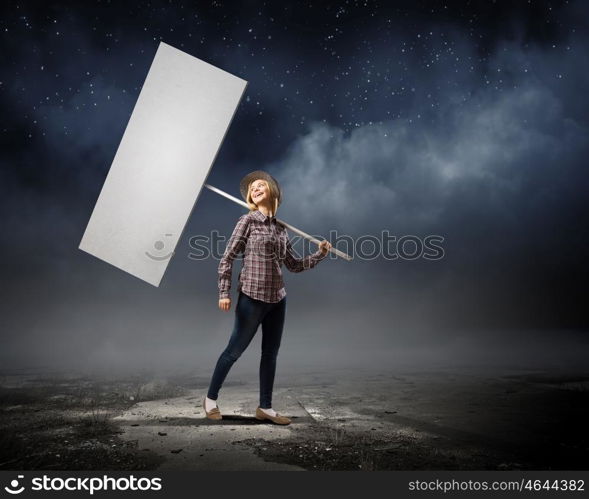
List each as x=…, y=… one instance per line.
x=257, y=175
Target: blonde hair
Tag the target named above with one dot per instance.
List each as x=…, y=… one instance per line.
x=273, y=195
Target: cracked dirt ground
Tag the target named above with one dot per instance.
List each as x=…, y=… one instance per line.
x=346, y=420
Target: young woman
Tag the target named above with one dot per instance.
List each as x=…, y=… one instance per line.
x=262, y=297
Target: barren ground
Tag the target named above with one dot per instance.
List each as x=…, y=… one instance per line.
x=359, y=420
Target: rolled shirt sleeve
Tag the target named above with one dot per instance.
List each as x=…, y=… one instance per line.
x=294, y=264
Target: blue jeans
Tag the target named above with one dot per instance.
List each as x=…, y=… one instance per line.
x=249, y=314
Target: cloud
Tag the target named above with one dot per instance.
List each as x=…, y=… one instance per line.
x=508, y=146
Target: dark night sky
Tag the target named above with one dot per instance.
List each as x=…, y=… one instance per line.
x=467, y=120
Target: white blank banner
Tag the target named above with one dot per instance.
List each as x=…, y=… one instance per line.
x=172, y=138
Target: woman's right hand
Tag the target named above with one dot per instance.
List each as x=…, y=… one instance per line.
x=225, y=304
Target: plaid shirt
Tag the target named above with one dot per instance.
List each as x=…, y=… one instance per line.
x=265, y=246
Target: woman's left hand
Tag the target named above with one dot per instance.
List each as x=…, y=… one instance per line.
x=324, y=246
